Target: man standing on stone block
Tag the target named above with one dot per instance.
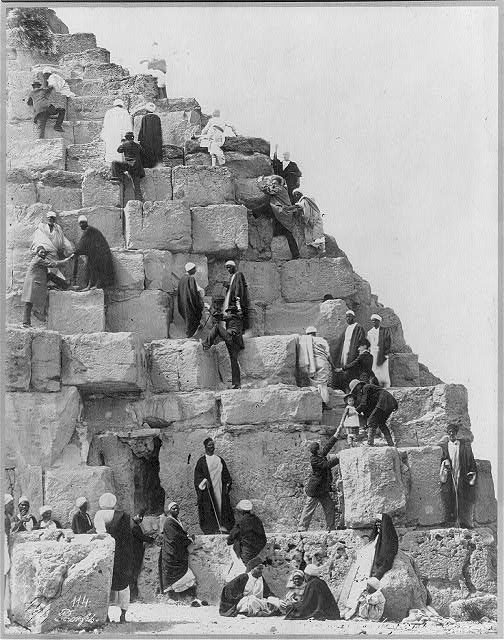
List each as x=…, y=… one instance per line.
x=346, y=349
x=40, y=101
x=132, y=164
x=99, y=265
x=319, y=485
x=287, y=170
x=380, y=342
x=458, y=479
x=233, y=338
x=150, y=137
x=50, y=236
x=189, y=300
x=81, y=522
x=212, y=482
x=116, y=122
x=237, y=292
x=376, y=405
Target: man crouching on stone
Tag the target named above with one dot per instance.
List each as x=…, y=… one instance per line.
x=232, y=336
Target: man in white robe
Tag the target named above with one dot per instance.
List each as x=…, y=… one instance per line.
x=116, y=123
x=315, y=360
x=379, y=338
x=50, y=236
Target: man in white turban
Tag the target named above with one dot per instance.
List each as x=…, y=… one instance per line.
x=317, y=601
x=81, y=521
x=49, y=235
x=314, y=361
x=116, y=123
x=379, y=339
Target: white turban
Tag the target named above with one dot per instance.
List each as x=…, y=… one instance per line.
x=172, y=504
x=107, y=501
x=349, y=312
x=50, y=214
x=118, y=102
x=312, y=570
x=150, y=106
x=82, y=218
x=375, y=316
x=190, y=266
x=230, y=263
x=8, y=499
x=310, y=330
x=23, y=499
x=244, y=505
x=44, y=509
x=80, y=501
x=374, y=582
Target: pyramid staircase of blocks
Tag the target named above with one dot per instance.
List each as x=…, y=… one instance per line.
x=110, y=396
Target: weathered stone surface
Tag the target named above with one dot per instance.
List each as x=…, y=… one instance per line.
x=90, y=107
x=86, y=131
x=312, y=279
x=61, y=198
x=474, y=608
x=103, y=362
x=18, y=361
x=276, y=403
x=38, y=155
x=64, y=484
x=264, y=361
x=60, y=584
x=241, y=165
x=176, y=127
x=328, y=318
x=107, y=219
x=128, y=269
x=423, y=505
x=157, y=185
x=20, y=188
x=219, y=229
x=181, y=365
x=424, y=413
x=74, y=42
x=27, y=130
x=202, y=186
x=147, y=314
x=72, y=312
x=77, y=61
x=162, y=225
x=280, y=251
x=46, y=361
x=98, y=190
x=485, y=507
x=372, y=483
x=403, y=370
x=195, y=409
x=41, y=424
x=402, y=589
x=84, y=156
x=105, y=71
x=427, y=379
x=28, y=482
x=263, y=279
x=164, y=269
x=249, y=194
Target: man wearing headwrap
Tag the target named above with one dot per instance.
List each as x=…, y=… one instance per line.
x=294, y=589
x=99, y=265
x=237, y=292
x=214, y=136
x=345, y=350
x=50, y=236
x=81, y=522
x=380, y=343
x=212, y=482
x=40, y=101
x=116, y=122
x=150, y=137
x=46, y=520
x=175, y=576
x=458, y=474
x=132, y=164
x=317, y=601
x=232, y=336
x=372, y=601
x=282, y=209
x=117, y=524
x=9, y=512
x=189, y=301
x=314, y=361
x=287, y=170
x=247, y=536
x=312, y=218
x=24, y=520
x=376, y=405
x=249, y=594
x=139, y=541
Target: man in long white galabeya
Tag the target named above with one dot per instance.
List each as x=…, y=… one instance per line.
x=116, y=123
x=50, y=236
x=315, y=360
x=379, y=338
x=214, y=135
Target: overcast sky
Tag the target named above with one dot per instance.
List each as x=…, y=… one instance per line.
x=391, y=114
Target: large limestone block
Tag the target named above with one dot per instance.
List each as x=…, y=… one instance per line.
x=164, y=225
x=60, y=584
x=276, y=403
x=264, y=361
x=46, y=361
x=156, y=185
x=403, y=370
x=60, y=189
x=424, y=506
x=193, y=409
x=402, y=588
x=328, y=318
x=86, y=131
x=128, y=269
x=241, y=165
x=249, y=194
x=424, y=413
x=28, y=482
x=372, y=483
x=27, y=130
x=202, y=186
x=263, y=279
x=220, y=229
x=108, y=220
x=18, y=360
x=63, y=485
x=176, y=127
x=181, y=365
x=312, y=279
x=38, y=155
x=105, y=71
x=164, y=269
x=147, y=314
x=90, y=107
x=72, y=312
x=102, y=362
x=98, y=190
x=69, y=43
x=475, y=608
x=84, y=156
x=77, y=61
x=20, y=189
x=41, y=424
x=485, y=506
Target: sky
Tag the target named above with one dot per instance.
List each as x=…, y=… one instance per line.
x=391, y=114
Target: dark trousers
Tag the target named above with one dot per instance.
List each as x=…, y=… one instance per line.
x=42, y=118
x=232, y=347
x=118, y=170
x=280, y=230
x=61, y=283
x=378, y=420
x=27, y=313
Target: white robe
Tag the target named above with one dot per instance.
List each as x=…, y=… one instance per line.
x=215, y=470
x=116, y=123
x=346, y=344
x=381, y=371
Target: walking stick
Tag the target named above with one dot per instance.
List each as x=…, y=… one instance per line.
x=457, y=520
x=213, y=507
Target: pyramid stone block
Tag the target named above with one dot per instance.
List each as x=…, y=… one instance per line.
x=86, y=131
x=46, y=361
x=202, y=186
x=164, y=269
x=485, y=505
x=424, y=506
x=108, y=220
x=38, y=155
x=220, y=229
x=73, y=312
x=403, y=370
x=90, y=107
x=164, y=225
x=128, y=269
x=18, y=360
x=147, y=314
x=70, y=43
x=295, y=317
x=249, y=194
x=181, y=410
x=98, y=190
x=180, y=365
x=312, y=279
x=85, y=156
x=60, y=189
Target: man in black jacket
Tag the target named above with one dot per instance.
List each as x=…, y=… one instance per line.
x=319, y=485
x=132, y=163
x=376, y=405
x=247, y=536
x=233, y=338
x=288, y=170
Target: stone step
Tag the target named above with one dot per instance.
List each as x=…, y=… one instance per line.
x=85, y=156
x=38, y=155
x=76, y=62
x=74, y=43
x=72, y=312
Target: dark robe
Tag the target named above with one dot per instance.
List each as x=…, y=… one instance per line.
x=248, y=537
x=93, y=244
x=290, y=174
x=81, y=522
x=206, y=514
x=174, y=552
x=239, y=289
x=120, y=529
x=132, y=157
x=374, y=397
x=232, y=593
x=139, y=537
x=384, y=344
x=316, y=602
x=361, y=368
x=190, y=303
x=320, y=481
x=465, y=493
x=150, y=138
x=336, y=350
x=386, y=547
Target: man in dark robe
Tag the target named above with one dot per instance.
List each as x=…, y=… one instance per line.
x=81, y=522
x=346, y=350
x=139, y=538
x=132, y=164
x=99, y=265
x=232, y=335
x=189, y=300
x=249, y=586
x=237, y=289
x=247, y=536
x=387, y=545
x=212, y=482
x=317, y=601
x=319, y=484
x=376, y=405
x=175, y=575
x=150, y=138
x=24, y=520
x=359, y=369
x=288, y=170
x=458, y=479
